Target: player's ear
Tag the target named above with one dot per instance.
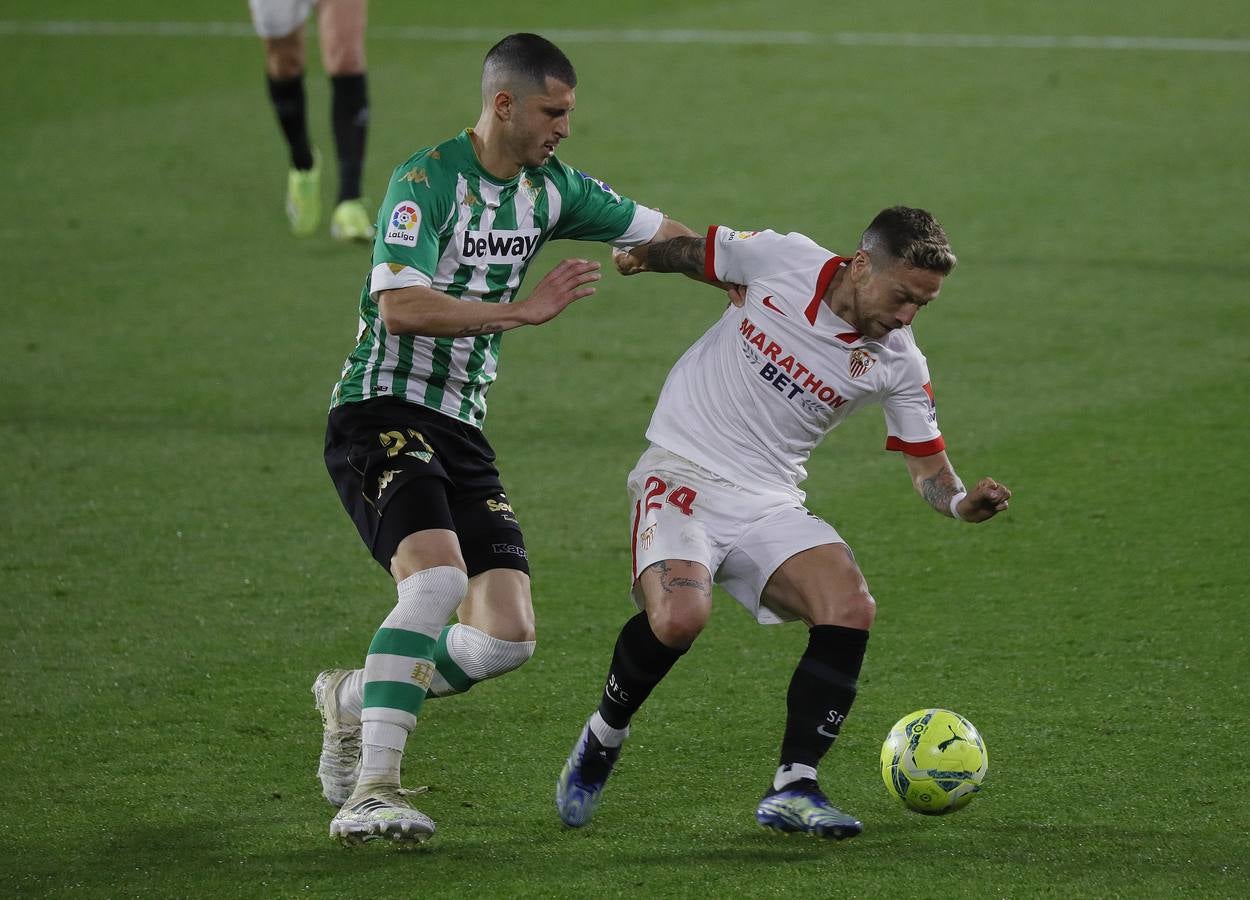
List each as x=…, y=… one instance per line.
x=503, y=105
x=861, y=265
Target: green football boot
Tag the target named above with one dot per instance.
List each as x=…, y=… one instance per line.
x=303, y=198
x=351, y=222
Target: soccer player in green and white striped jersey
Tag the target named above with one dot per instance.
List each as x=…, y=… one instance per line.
x=456, y=234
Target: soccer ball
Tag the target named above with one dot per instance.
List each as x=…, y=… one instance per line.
x=934, y=761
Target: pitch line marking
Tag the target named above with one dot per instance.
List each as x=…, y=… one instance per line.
x=71, y=28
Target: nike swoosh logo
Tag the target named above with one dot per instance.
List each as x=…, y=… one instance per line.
x=820, y=729
x=768, y=301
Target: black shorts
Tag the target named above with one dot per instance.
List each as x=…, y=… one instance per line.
x=401, y=468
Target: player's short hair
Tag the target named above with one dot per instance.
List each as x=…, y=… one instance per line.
x=523, y=62
x=911, y=236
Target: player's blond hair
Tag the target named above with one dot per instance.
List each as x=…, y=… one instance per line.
x=911, y=236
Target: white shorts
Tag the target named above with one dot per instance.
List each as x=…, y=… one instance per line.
x=278, y=18
x=742, y=535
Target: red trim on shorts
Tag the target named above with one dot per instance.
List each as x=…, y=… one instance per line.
x=928, y=389
x=827, y=271
x=709, y=254
x=633, y=541
x=916, y=448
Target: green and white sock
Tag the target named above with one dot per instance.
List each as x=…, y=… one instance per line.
x=400, y=667
x=463, y=656
x=466, y=655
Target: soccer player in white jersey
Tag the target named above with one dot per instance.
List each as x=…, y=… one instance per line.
x=458, y=229
x=716, y=496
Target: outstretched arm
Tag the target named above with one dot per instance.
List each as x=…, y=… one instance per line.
x=682, y=253
x=935, y=480
x=423, y=310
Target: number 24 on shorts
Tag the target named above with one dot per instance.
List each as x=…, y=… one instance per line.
x=682, y=497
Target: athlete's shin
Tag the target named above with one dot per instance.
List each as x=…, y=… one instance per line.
x=400, y=665
x=639, y=662
x=821, y=692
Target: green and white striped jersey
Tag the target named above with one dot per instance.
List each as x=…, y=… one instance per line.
x=448, y=224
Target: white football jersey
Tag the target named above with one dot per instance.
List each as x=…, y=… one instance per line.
x=758, y=391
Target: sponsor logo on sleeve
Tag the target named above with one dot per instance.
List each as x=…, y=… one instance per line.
x=616, y=198
x=741, y=235
x=404, y=224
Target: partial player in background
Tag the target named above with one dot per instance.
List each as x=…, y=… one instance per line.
x=341, y=33
x=716, y=497
x=461, y=223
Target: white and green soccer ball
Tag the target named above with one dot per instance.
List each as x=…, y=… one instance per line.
x=934, y=761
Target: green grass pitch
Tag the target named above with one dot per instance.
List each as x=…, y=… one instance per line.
x=175, y=567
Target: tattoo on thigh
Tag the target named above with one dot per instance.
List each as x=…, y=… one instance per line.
x=670, y=582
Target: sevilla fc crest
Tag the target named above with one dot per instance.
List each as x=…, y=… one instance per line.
x=861, y=362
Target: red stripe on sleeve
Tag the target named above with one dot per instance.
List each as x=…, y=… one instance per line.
x=921, y=448
x=709, y=256
x=827, y=271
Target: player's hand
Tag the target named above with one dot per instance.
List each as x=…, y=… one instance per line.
x=571, y=280
x=737, y=294
x=626, y=262
x=986, y=500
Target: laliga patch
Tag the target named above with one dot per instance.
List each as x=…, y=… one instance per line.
x=404, y=224
x=741, y=235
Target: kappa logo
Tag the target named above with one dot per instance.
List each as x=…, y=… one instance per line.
x=768, y=302
x=416, y=176
x=385, y=479
x=647, y=537
x=499, y=246
x=405, y=222
x=861, y=361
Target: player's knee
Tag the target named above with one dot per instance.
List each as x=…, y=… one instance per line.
x=345, y=61
x=284, y=57
x=677, y=624
x=857, y=610
x=484, y=656
x=418, y=552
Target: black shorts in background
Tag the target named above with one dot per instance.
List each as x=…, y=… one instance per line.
x=401, y=468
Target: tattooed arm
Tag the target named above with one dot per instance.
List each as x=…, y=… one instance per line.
x=425, y=311
x=935, y=480
x=684, y=254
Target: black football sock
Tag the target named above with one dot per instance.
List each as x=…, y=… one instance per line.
x=287, y=95
x=821, y=692
x=350, y=112
x=639, y=663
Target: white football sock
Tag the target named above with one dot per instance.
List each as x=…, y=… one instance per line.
x=790, y=773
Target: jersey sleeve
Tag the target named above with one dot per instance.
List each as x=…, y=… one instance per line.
x=911, y=412
x=405, y=249
x=590, y=210
x=740, y=257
